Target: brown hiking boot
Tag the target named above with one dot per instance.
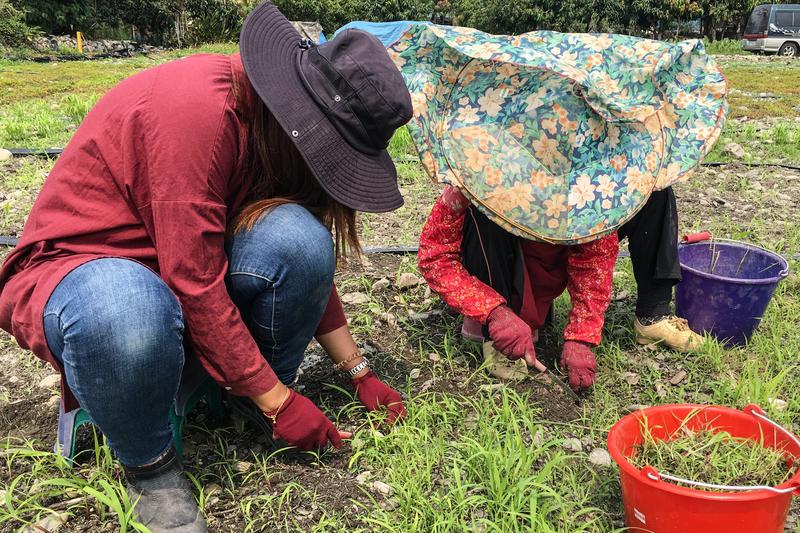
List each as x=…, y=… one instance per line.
x=670, y=331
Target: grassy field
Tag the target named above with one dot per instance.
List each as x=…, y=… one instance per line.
x=473, y=455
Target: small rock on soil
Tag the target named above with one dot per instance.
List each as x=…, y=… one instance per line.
x=677, y=378
x=408, y=280
x=777, y=404
x=630, y=378
x=50, y=382
x=50, y=523
x=355, y=298
x=600, y=457
x=382, y=488
x=381, y=285
x=632, y=408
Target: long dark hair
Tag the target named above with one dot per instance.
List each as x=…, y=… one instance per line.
x=279, y=175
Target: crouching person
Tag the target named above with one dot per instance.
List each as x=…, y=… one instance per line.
x=194, y=206
x=505, y=285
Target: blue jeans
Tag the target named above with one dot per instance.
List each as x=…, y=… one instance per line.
x=117, y=329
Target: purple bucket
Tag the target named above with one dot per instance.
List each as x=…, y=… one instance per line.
x=726, y=287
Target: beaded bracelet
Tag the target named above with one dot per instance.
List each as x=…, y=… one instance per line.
x=340, y=364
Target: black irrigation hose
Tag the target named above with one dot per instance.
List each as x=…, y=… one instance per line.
x=7, y=240
x=48, y=152
x=722, y=164
x=35, y=152
x=400, y=250
x=80, y=57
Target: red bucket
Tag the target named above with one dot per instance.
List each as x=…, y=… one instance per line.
x=658, y=506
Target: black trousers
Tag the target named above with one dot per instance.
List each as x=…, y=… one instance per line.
x=492, y=254
x=653, y=244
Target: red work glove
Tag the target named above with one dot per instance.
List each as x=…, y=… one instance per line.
x=512, y=336
x=300, y=423
x=374, y=393
x=581, y=365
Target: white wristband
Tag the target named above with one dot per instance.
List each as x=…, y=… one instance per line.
x=359, y=367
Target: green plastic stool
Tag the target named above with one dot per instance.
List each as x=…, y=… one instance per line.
x=195, y=385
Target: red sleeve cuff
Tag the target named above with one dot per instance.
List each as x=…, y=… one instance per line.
x=583, y=336
x=333, y=318
x=259, y=383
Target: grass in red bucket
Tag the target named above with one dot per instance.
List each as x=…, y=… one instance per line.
x=713, y=457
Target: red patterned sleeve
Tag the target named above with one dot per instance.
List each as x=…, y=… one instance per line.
x=440, y=260
x=591, y=271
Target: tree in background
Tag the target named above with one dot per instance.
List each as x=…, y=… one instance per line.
x=718, y=14
x=332, y=14
x=180, y=22
x=503, y=16
x=14, y=32
x=97, y=18
x=655, y=19
x=170, y=22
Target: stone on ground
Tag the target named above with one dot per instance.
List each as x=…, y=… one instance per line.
x=355, y=298
x=734, y=149
x=381, y=285
x=50, y=382
x=407, y=280
x=600, y=457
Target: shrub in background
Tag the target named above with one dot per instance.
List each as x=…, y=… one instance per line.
x=14, y=32
x=212, y=21
x=333, y=14
x=181, y=22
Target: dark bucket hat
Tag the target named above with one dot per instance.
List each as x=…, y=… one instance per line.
x=340, y=102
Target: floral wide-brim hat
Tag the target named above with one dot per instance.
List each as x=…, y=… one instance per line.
x=558, y=137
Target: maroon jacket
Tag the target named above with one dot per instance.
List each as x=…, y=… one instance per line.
x=153, y=174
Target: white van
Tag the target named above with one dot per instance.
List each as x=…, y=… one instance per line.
x=773, y=28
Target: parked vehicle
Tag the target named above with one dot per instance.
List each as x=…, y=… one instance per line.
x=773, y=28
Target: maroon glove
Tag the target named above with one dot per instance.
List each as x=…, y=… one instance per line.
x=581, y=365
x=510, y=334
x=300, y=423
x=374, y=393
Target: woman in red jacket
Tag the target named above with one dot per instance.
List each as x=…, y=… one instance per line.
x=191, y=216
x=508, y=284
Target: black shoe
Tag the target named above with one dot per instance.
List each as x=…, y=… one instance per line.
x=162, y=497
x=247, y=409
x=550, y=318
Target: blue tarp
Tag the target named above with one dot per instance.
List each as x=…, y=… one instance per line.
x=387, y=32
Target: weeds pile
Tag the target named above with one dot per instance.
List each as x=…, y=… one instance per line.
x=714, y=457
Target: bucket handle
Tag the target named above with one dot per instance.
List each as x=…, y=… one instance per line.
x=655, y=475
x=696, y=237
x=753, y=410
x=702, y=236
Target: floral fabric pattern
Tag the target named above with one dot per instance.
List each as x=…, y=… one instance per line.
x=558, y=137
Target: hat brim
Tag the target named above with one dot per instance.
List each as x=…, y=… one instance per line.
x=550, y=142
x=269, y=46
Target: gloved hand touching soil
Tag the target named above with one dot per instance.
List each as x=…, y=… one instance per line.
x=512, y=336
x=301, y=424
x=375, y=394
x=578, y=358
